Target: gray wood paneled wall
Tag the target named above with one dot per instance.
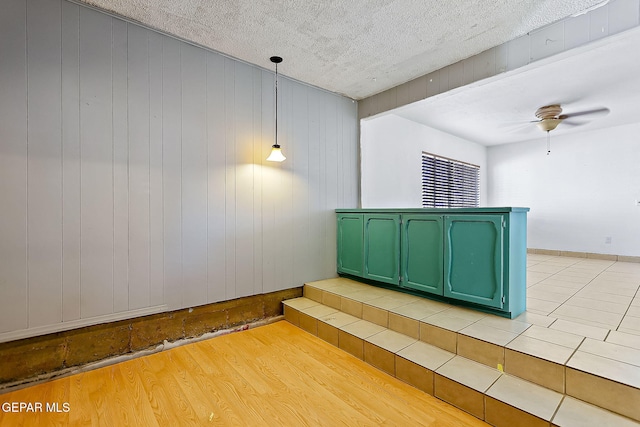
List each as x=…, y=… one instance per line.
x=133, y=172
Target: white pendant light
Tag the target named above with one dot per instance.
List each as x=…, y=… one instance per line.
x=276, y=152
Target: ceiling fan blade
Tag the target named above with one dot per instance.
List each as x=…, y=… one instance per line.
x=572, y=123
x=598, y=112
x=514, y=127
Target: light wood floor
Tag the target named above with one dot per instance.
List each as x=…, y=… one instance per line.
x=274, y=375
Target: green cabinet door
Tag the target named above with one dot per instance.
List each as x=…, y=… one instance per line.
x=350, y=244
x=422, y=248
x=474, y=259
x=382, y=247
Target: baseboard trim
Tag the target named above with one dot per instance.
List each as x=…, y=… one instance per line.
x=588, y=255
x=80, y=323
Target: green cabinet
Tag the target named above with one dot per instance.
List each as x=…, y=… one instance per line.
x=382, y=247
x=473, y=256
x=369, y=246
x=350, y=244
x=422, y=249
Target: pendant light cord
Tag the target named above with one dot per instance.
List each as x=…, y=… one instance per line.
x=276, y=153
x=276, y=103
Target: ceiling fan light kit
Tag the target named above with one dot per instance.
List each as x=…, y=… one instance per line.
x=548, y=125
x=550, y=116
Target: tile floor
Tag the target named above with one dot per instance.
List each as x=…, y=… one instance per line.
x=598, y=295
x=580, y=334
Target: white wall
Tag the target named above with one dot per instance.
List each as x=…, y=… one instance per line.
x=132, y=172
x=391, y=154
x=582, y=193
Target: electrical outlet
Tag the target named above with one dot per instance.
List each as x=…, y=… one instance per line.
x=607, y=240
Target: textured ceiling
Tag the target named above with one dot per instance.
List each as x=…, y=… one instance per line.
x=499, y=110
x=353, y=47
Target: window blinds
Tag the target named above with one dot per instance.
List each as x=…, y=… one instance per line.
x=448, y=183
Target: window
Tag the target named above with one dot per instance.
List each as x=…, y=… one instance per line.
x=448, y=183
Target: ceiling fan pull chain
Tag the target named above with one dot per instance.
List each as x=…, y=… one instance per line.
x=548, y=143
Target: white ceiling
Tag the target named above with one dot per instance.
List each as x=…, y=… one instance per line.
x=353, y=47
x=498, y=110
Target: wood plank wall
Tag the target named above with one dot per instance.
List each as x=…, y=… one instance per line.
x=132, y=171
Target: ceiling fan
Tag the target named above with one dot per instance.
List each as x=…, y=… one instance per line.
x=550, y=116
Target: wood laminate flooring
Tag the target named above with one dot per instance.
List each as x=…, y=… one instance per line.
x=274, y=375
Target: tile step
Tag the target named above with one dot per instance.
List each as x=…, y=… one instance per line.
x=486, y=373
